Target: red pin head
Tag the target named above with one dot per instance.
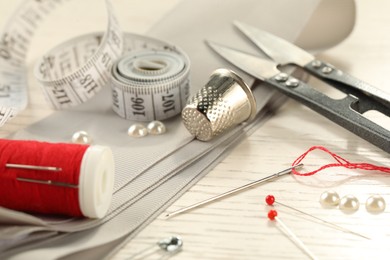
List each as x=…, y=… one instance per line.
x=270, y=199
x=272, y=214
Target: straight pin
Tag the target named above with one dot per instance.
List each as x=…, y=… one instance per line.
x=273, y=215
x=246, y=186
x=270, y=200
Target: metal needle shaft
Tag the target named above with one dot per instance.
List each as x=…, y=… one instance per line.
x=295, y=239
x=322, y=220
x=33, y=167
x=40, y=168
x=48, y=182
x=246, y=186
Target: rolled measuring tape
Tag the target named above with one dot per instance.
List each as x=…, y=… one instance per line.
x=76, y=70
x=150, y=84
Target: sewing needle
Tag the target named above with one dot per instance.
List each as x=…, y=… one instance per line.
x=48, y=182
x=246, y=186
x=33, y=167
x=40, y=168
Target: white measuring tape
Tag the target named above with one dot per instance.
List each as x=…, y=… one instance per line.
x=76, y=70
x=149, y=85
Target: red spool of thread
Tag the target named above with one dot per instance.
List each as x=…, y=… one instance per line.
x=56, y=178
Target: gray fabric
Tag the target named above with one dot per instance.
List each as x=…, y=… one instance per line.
x=152, y=172
x=138, y=214
x=213, y=20
x=13, y=236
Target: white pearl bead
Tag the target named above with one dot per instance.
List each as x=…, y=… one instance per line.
x=349, y=203
x=375, y=204
x=329, y=198
x=156, y=128
x=137, y=130
x=81, y=137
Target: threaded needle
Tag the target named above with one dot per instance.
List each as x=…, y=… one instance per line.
x=246, y=186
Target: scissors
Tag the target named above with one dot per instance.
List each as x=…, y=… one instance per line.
x=347, y=112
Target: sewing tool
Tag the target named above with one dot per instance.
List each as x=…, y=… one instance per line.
x=32, y=167
x=152, y=84
x=273, y=215
x=39, y=168
x=225, y=101
x=246, y=186
x=347, y=112
x=284, y=52
x=56, y=178
x=170, y=245
x=270, y=200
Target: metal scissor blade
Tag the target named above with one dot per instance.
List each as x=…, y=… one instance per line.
x=339, y=111
x=284, y=52
x=278, y=49
x=253, y=65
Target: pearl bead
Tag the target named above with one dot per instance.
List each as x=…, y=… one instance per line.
x=329, y=199
x=375, y=204
x=81, y=137
x=137, y=130
x=349, y=203
x=156, y=128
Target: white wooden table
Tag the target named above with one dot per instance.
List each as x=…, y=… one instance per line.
x=237, y=227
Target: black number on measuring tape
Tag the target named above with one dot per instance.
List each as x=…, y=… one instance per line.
x=5, y=91
x=168, y=103
x=186, y=90
x=106, y=60
x=138, y=106
x=46, y=65
x=115, y=98
x=5, y=47
x=116, y=39
x=88, y=83
x=61, y=95
x=4, y=53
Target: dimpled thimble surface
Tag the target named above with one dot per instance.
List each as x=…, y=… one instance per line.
x=225, y=101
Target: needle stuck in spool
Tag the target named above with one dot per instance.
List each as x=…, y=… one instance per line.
x=33, y=167
x=40, y=168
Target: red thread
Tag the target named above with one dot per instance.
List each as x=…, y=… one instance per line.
x=341, y=162
x=35, y=197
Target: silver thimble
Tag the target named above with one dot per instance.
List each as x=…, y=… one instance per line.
x=225, y=101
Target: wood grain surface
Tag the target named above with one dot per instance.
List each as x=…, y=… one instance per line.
x=237, y=227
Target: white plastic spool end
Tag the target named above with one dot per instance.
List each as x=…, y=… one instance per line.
x=96, y=181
